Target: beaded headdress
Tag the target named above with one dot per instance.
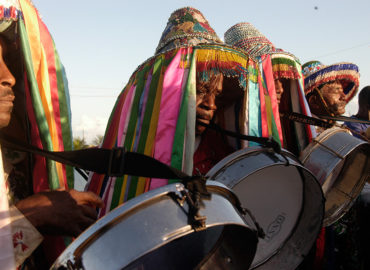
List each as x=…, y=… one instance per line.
x=316, y=74
x=276, y=64
x=186, y=27
x=248, y=38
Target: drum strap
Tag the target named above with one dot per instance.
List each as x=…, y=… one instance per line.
x=112, y=162
x=267, y=142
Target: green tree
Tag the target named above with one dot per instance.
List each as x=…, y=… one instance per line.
x=79, y=143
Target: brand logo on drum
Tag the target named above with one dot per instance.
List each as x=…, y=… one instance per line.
x=275, y=227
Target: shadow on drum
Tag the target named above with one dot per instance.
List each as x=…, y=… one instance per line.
x=216, y=248
x=152, y=231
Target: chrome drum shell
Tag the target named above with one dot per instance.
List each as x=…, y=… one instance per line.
x=152, y=231
x=341, y=163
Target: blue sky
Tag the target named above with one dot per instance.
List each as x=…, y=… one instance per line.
x=102, y=42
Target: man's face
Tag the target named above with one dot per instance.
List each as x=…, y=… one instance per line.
x=206, y=102
x=7, y=81
x=334, y=97
x=279, y=89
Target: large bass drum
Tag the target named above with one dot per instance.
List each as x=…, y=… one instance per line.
x=152, y=231
x=341, y=163
x=283, y=196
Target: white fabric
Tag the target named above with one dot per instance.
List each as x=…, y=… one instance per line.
x=26, y=238
x=7, y=260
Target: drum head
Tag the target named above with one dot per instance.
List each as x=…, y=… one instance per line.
x=341, y=164
x=285, y=199
x=152, y=231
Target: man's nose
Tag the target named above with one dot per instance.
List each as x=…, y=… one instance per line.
x=6, y=77
x=210, y=101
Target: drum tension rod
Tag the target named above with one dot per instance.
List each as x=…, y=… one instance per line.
x=197, y=222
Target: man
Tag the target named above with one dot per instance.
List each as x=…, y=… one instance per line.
x=35, y=211
x=193, y=78
x=283, y=78
x=328, y=89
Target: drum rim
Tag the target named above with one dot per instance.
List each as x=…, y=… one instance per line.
x=315, y=143
x=76, y=249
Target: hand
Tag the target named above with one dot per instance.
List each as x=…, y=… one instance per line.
x=66, y=213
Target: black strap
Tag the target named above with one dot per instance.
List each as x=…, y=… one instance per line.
x=301, y=118
x=267, y=142
x=112, y=162
x=344, y=119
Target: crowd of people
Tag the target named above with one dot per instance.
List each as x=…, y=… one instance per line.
x=245, y=85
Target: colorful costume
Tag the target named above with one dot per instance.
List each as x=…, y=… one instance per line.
x=44, y=116
x=155, y=113
x=277, y=64
x=337, y=246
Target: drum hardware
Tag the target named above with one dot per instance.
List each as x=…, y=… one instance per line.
x=197, y=221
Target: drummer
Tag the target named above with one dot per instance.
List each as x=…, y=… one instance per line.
x=328, y=89
x=32, y=212
x=283, y=75
x=193, y=79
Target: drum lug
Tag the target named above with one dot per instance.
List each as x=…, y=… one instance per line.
x=197, y=221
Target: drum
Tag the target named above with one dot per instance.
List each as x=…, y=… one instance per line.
x=284, y=197
x=152, y=231
x=341, y=164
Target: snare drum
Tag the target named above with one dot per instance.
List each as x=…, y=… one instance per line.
x=284, y=197
x=341, y=163
x=152, y=231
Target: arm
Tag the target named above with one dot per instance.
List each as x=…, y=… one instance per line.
x=66, y=213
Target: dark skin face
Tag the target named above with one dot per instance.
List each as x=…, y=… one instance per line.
x=206, y=102
x=7, y=82
x=279, y=90
x=334, y=97
x=67, y=212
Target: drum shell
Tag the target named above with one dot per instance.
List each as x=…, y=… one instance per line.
x=240, y=168
x=126, y=237
x=341, y=164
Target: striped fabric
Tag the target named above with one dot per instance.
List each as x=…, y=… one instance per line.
x=155, y=113
x=47, y=99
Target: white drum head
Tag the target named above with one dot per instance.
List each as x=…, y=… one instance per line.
x=284, y=198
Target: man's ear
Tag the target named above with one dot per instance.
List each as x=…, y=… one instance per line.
x=315, y=104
